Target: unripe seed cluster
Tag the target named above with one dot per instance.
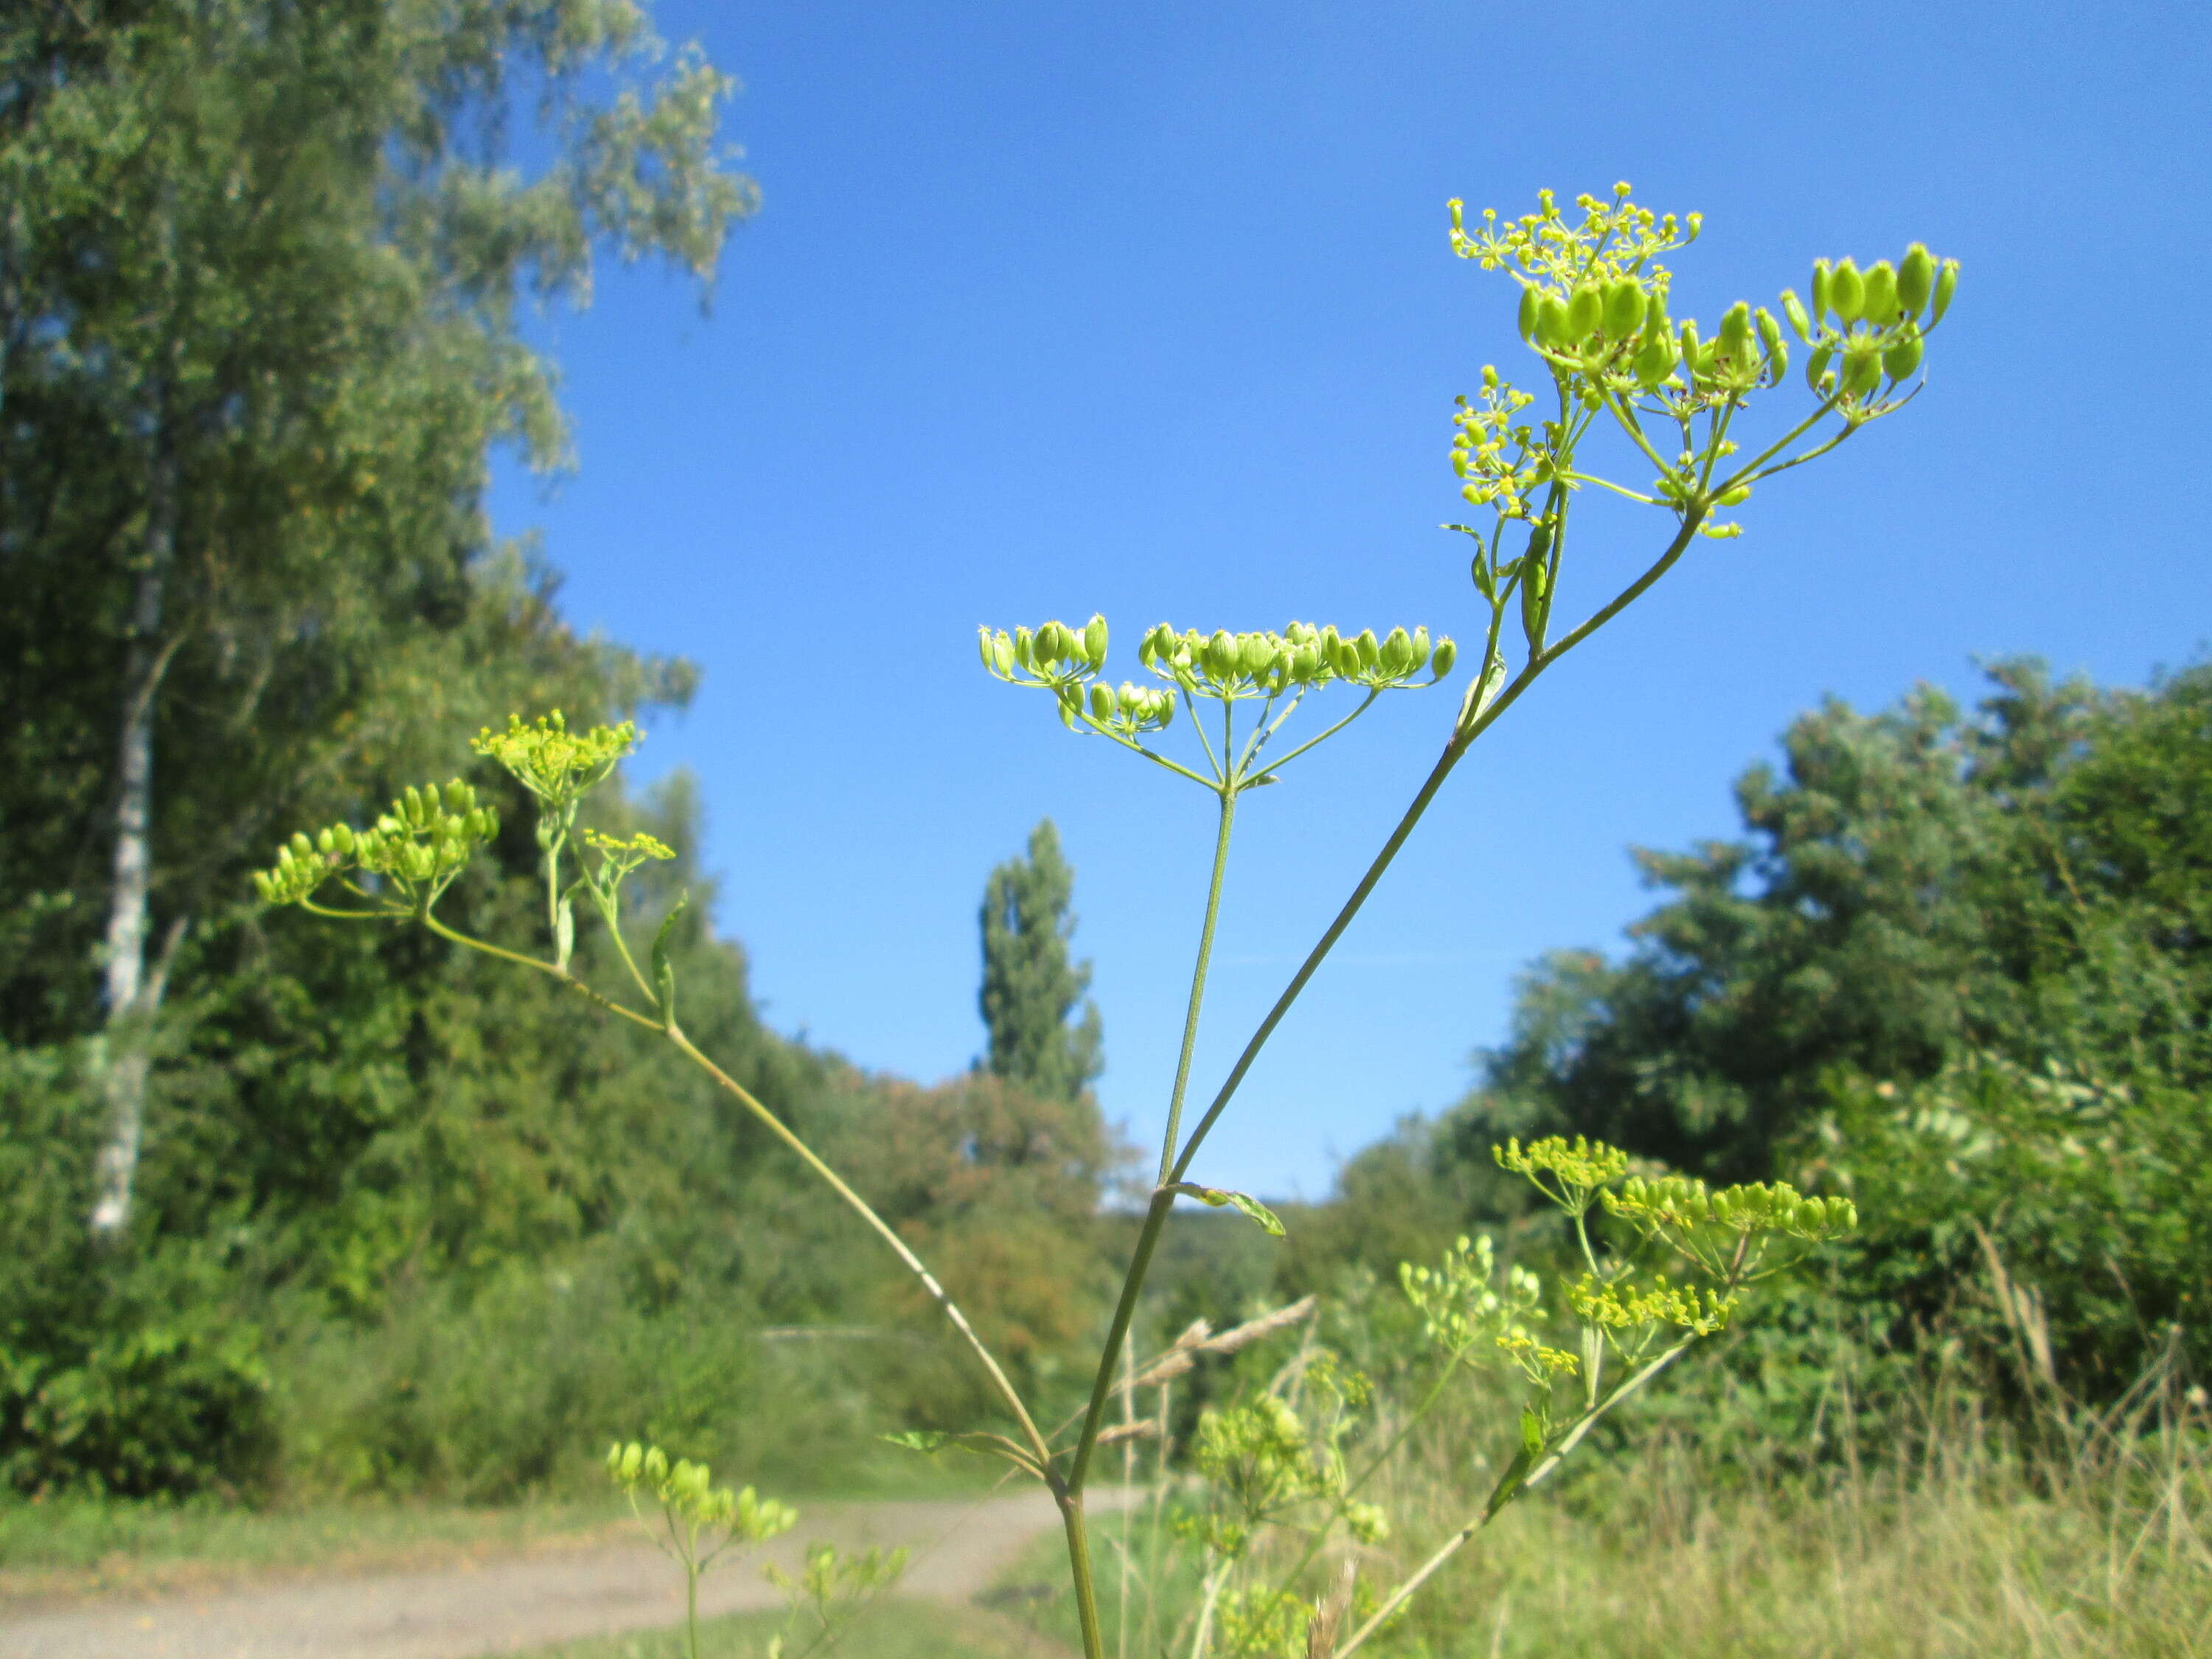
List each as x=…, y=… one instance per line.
x=420, y=845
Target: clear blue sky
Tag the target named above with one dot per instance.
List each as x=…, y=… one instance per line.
x=1147, y=308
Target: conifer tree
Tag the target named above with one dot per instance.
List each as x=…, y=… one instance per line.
x=1029, y=986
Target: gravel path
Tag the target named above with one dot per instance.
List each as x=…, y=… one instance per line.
x=959, y=1546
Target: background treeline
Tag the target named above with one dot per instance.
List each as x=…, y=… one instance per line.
x=1959, y=966
x=288, y=1204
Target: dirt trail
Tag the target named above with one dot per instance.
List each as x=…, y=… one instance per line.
x=959, y=1546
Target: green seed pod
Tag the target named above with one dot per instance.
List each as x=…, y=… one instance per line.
x=1102, y=704
x=1164, y=708
x=413, y=808
x=1655, y=362
x=1736, y=331
x=1690, y=343
x=1879, y=304
x=1025, y=647
x=1623, y=308
x=983, y=646
x=343, y=834
x=1794, y=309
x=1552, y=325
x=459, y=796
x=1345, y=659
x=1819, y=292
x=265, y=887
x=1778, y=349
x=326, y=843
x=1396, y=655
x=1254, y=652
x=1306, y=663
x=1094, y=639
x=1947, y=284
x=300, y=847
x=1846, y=290
x=1899, y=362
x=1002, y=652
x=1420, y=647
x=1531, y=308
x=1584, y=312
x=1222, y=655
x=1817, y=365
x=1862, y=369
x=1915, y=278
x=1735, y=497
x=1441, y=663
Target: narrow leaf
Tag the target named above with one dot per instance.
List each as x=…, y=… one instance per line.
x=663, y=974
x=1218, y=1196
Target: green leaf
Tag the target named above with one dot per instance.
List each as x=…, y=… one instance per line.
x=1218, y=1196
x=663, y=974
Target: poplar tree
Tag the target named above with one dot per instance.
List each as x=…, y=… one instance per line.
x=1029, y=986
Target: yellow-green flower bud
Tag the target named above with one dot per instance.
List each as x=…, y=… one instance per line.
x=1368, y=648
x=1778, y=349
x=1222, y=655
x=983, y=646
x=1623, y=308
x=1396, y=654
x=1899, y=362
x=1102, y=701
x=1862, y=369
x=1532, y=304
x=343, y=836
x=1094, y=639
x=1879, y=304
x=1306, y=665
x=1002, y=652
x=1345, y=658
x=1655, y=362
x=1254, y=652
x=1420, y=647
x=1735, y=497
x=1819, y=292
x=1447, y=653
x=265, y=887
x=1584, y=312
x=1947, y=284
x=326, y=843
x=1915, y=278
x=414, y=799
x=1817, y=365
x=300, y=847
x=1025, y=647
x=1552, y=325
x=1690, y=343
x=1735, y=331
x=1794, y=309
x=459, y=796
x=1846, y=290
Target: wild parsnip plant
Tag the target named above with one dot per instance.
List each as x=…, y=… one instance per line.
x=699, y=1521
x=1688, y=406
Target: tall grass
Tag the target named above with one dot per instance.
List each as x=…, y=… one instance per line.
x=1935, y=1530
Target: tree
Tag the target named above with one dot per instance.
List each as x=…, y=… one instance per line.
x=1029, y=986
x=259, y=275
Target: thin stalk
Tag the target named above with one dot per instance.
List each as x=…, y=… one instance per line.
x=1452, y=1545
x=882, y=1229
x=1197, y=981
x=1079, y=1566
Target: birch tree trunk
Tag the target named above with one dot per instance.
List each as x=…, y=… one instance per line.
x=132, y=993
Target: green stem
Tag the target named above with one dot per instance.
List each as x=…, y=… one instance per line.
x=1198, y=981
x=1079, y=1566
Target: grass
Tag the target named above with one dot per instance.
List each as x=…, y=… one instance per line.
x=1957, y=1546
x=68, y=1547
x=901, y=1629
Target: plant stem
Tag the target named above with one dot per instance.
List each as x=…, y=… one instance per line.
x=883, y=1229
x=1198, y=981
x=1078, y=1567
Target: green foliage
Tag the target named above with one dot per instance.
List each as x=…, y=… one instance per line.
x=1029, y=986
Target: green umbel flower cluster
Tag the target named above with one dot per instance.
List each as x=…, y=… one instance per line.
x=687, y=1492
x=416, y=849
x=556, y=765
x=1727, y=1232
